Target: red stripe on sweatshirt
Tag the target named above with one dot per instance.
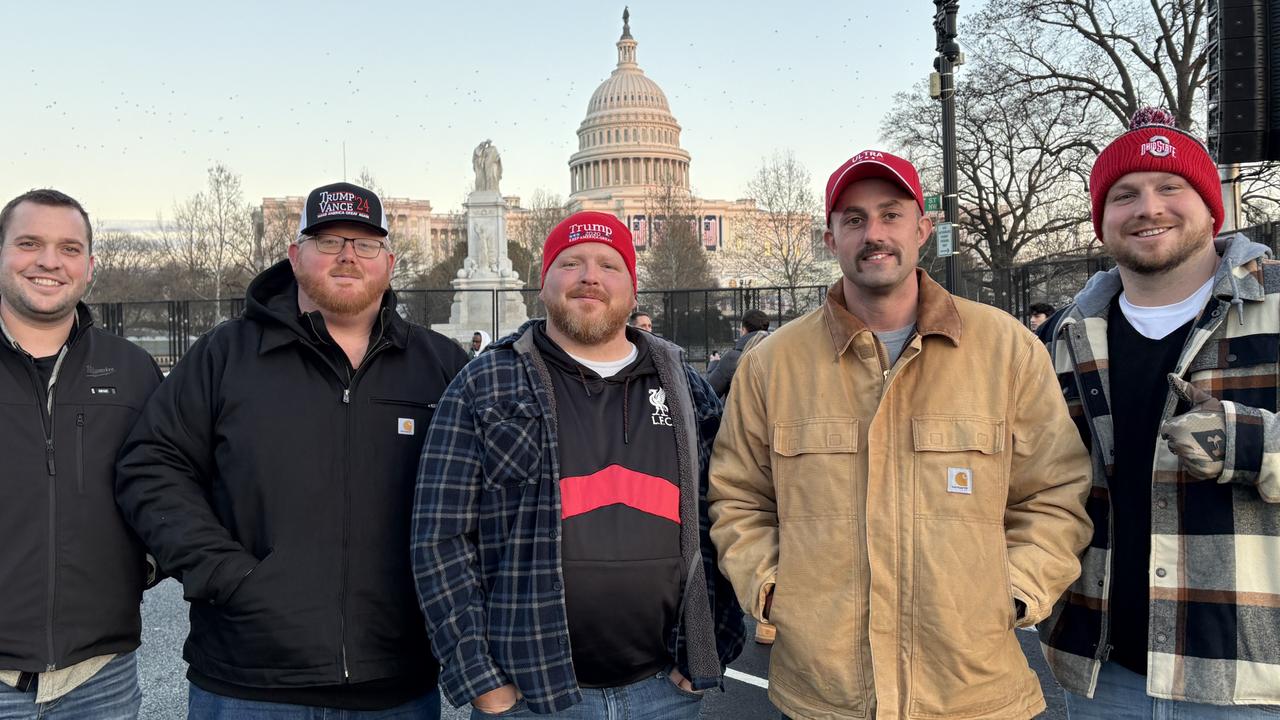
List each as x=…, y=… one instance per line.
x=616, y=485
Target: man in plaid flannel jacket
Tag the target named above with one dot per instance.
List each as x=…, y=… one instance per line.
x=561, y=540
x=1170, y=364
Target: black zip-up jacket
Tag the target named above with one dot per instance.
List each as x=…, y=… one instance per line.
x=71, y=570
x=277, y=485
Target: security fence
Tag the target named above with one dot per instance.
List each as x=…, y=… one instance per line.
x=700, y=320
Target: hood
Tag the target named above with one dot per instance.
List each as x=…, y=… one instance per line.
x=745, y=340
x=272, y=299
x=556, y=357
x=1228, y=283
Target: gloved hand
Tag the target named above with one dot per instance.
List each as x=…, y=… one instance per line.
x=1199, y=436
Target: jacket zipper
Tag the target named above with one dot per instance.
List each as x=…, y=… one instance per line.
x=80, y=452
x=347, y=384
x=46, y=425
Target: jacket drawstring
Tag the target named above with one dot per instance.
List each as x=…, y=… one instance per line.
x=1235, y=298
x=583, y=377
x=626, y=414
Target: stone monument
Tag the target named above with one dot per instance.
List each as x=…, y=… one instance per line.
x=486, y=276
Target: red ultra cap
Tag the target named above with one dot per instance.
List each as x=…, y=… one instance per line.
x=874, y=164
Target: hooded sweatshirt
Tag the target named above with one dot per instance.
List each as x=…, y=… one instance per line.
x=619, y=488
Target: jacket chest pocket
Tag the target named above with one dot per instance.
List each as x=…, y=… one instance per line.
x=813, y=469
x=410, y=418
x=1240, y=370
x=960, y=469
x=512, y=443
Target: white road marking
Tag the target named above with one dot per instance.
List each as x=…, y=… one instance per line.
x=748, y=679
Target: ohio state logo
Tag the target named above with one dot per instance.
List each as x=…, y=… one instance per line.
x=1158, y=146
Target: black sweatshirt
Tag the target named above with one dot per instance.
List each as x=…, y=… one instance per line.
x=1138, y=391
x=620, y=494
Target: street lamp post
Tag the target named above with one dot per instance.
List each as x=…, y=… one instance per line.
x=949, y=56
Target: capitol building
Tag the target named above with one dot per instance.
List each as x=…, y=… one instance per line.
x=628, y=149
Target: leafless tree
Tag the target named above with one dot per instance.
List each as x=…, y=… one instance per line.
x=1022, y=162
x=204, y=235
x=126, y=266
x=1117, y=55
x=529, y=229
x=781, y=242
x=1260, y=194
x=675, y=258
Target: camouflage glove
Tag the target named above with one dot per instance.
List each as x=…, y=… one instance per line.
x=1199, y=436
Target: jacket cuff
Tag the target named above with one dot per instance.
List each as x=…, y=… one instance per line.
x=464, y=684
x=758, y=611
x=1034, y=613
x=224, y=580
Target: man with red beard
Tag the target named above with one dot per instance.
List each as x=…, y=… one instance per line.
x=272, y=474
x=560, y=535
x=1169, y=364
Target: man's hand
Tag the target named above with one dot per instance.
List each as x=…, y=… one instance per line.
x=682, y=682
x=1199, y=436
x=498, y=700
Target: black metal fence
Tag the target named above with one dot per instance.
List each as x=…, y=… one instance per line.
x=701, y=321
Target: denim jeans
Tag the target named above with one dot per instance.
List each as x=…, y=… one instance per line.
x=1122, y=695
x=111, y=694
x=654, y=698
x=204, y=705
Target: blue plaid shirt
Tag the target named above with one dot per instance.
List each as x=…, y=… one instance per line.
x=486, y=533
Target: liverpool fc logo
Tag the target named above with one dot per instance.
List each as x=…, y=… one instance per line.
x=661, y=415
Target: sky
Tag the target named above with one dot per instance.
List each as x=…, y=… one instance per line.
x=126, y=105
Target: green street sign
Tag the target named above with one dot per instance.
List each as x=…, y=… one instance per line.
x=933, y=203
x=946, y=235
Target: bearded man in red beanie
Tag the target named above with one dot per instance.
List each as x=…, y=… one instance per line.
x=1170, y=365
x=561, y=545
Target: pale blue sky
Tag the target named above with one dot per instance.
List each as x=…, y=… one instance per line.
x=124, y=105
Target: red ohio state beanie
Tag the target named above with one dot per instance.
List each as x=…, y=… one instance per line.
x=590, y=227
x=1154, y=144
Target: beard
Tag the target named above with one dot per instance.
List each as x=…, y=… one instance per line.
x=339, y=302
x=584, y=328
x=1190, y=242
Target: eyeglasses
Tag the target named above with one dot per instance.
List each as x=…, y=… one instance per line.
x=367, y=248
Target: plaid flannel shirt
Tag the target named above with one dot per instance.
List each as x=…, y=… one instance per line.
x=1214, y=619
x=486, y=549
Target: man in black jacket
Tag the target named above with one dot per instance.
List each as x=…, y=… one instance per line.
x=71, y=571
x=273, y=475
x=755, y=326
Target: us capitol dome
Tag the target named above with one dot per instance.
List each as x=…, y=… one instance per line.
x=629, y=148
x=629, y=138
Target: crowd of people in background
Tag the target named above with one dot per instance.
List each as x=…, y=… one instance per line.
x=571, y=521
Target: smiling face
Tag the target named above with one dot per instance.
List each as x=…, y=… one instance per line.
x=588, y=293
x=876, y=232
x=45, y=263
x=342, y=284
x=1154, y=222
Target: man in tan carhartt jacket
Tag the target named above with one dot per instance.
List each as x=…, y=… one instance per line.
x=900, y=468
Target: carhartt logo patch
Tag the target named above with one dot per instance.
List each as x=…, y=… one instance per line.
x=960, y=480
x=405, y=426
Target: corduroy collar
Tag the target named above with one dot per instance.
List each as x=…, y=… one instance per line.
x=936, y=314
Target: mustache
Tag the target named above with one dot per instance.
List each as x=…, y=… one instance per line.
x=870, y=250
x=593, y=294
x=343, y=272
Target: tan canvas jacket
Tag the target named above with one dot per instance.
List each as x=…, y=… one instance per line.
x=900, y=511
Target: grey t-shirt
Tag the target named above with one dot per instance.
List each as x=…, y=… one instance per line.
x=895, y=340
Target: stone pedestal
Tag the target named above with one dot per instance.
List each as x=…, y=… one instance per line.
x=486, y=276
